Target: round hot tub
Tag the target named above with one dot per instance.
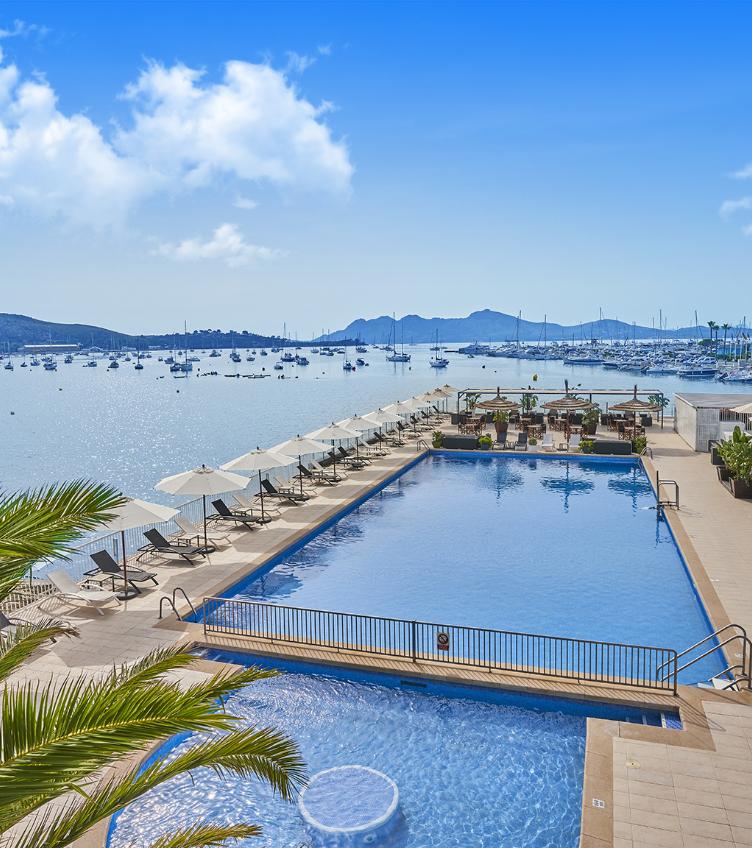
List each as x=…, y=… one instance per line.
x=349, y=805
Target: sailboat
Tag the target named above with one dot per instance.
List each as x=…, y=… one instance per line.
x=438, y=361
x=402, y=356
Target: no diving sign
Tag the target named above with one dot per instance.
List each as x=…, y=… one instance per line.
x=442, y=641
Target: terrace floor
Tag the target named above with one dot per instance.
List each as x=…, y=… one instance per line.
x=691, y=788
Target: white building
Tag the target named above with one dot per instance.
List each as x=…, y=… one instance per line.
x=702, y=417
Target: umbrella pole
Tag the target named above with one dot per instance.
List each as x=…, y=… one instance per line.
x=126, y=593
x=206, y=540
x=300, y=462
x=261, y=495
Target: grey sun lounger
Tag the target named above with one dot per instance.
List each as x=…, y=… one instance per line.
x=521, y=443
x=284, y=494
x=354, y=461
x=316, y=477
x=159, y=545
x=224, y=513
x=108, y=569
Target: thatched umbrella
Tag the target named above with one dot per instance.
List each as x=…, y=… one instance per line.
x=568, y=404
x=635, y=406
x=498, y=404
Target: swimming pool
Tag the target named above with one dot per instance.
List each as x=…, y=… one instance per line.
x=553, y=545
x=473, y=766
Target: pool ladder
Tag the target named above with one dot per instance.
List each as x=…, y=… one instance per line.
x=171, y=602
x=739, y=673
x=667, y=501
x=422, y=444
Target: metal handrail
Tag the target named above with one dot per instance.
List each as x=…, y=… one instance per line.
x=745, y=666
x=561, y=656
x=707, y=638
x=658, y=484
x=171, y=602
x=422, y=444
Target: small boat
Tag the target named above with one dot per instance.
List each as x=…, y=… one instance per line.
x=92, y=363
x=68, y=359
x=35, y=362
x=138, y=367
x=278, y=366
x=250, y=358
x=348, y=366
x=50, y=366
x=215, y=353
x=361, y=362
x=301, y=360
x=361, y=349
x=8, y=365
x=113, y=364
x=264, y=353
x=288, y=357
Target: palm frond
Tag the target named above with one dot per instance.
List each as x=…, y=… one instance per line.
x=42, y=523
x=17, y=647
x=206, y=836
x=54, y=735
x=263, y=753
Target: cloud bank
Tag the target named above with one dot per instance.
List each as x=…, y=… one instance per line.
x=183, y=133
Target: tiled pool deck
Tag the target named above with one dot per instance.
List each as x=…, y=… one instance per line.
x=689, y=788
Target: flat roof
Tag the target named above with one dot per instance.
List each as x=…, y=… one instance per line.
x=573, y=390
x=714, y=401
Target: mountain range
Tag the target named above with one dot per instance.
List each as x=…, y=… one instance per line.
x=487, y=325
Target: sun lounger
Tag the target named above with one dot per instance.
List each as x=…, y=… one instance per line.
x=574, y=441
x=325, y=473
x=225, y=515
x=247, y=505
x=283, y=494
x=356, y=463
x=548, y=442
x=68, y=590
x=521, y=443
x=307, y=474
x=190, y=531
x=159, y=545
x=108, y=569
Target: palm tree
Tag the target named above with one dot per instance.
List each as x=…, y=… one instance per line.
x=56, y=737
x=725, y=327
x=712, y=326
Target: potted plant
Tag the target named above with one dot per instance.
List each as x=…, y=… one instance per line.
x=639, y=444
x=532, y=441
x=529, y=402
x=438, y=439
x=501, y=424
x=590, y=420
x=485, y=442
x=736, y=453
x=586, y=445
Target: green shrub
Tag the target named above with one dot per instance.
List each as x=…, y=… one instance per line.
x=438, y=439
x=639, y=444
x=485, y=442
x=532, y=441
x=737, y=454
x=586, y=445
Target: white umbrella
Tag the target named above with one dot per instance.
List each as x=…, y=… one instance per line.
x=202, y=481
x=259, y=460
x=135, y=513
x=361, y=426
x=744, y=409
x=381, y=417
x=335, y=433
x=401, y=407
x=301, y=446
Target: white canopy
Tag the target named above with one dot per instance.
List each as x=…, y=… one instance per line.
x=381, y=416
x=357, y=423
x=202, y=481
x=401, y=407
x=744, y=409
x=334, y=432
x=137, y=513
x=259, y=460
x=301, y=445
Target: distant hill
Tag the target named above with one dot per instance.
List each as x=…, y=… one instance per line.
x=17, y=330
x=489, y=326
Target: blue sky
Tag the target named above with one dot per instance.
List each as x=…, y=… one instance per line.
x=248, y=164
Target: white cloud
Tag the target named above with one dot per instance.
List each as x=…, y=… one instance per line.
x=245, y=203
x=184, y=133
x=226, y=243
x=253, y=125
x=325, y=49
x=298, y=63
x=744, y=173
x=22, y=29
x=730, y=207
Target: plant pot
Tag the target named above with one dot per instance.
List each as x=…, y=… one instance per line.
x=741, y=489
x=715, y=457
x=723, y=473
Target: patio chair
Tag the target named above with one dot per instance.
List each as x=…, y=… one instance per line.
x=226, y=515
x=159, y=545
x=68, y=590
x=548, y=442
x=521, y=443
x=107, y=569
x=574, y=441
x=283, y=494
x=189, y=530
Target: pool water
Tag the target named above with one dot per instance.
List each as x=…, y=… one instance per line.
x=551, y=545
x=473, y=767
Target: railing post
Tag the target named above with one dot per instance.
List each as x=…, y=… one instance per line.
x=676, y=674
x=413, y=640
x=203, y=614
